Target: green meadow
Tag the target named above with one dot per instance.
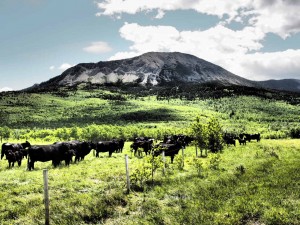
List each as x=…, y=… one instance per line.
x=254, y=184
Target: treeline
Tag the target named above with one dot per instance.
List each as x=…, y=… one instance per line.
x=107, y=132
x=90, y=133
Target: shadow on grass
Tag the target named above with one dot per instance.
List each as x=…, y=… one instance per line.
x=151, y=115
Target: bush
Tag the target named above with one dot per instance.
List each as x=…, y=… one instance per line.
x=295, y=132
x=214, y=162
x=198, y=166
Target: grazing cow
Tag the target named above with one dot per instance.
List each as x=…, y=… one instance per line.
x=15, y=147
x=82, y=149
x=171, y=139
x=229, y=139
x=120, y=144
x=43, y=153
x=106, y=146
x=68, y=156
x=185, y=140
x=13, y=157
x=145, y=143
x=242, y=141
x=170, y=149
x=250, y=137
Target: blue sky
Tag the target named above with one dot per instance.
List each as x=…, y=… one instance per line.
x=39, y=39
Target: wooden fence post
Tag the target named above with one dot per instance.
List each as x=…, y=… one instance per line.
x=164, y=162
x=46, y=197
x=182, y=156
x=127, y=173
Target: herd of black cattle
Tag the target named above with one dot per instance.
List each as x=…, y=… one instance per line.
x=65, y=151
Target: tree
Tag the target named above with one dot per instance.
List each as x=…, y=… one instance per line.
x=62, y=134
x=215, y=135
x=200, y=133
x=91, y=133
x=4, y=133
x=75, y=133
x=207, y=136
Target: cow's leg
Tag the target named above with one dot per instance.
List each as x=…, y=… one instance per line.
x=172, y=158
x=19, y=163
x=32, y=165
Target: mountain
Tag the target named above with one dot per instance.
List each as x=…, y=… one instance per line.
x=158, y=69
x=153, y=68
x=285, y=84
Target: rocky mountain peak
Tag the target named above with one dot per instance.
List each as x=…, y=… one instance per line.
x=152, y=68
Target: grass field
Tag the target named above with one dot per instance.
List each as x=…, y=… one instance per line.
x=253, y=184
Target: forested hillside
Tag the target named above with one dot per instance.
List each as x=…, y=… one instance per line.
x=66, y=114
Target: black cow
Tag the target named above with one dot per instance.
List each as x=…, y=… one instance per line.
x=229, y=139
x=106, y=146
x=250, y=137
x=171, y=139
x=120, y=143
x=13, y=157
x=185, y=140
x=242, y=141
x=145, y=143
x=43, y=153
x=81, y=148
x=169, y=149
x=15, y=147
x=68, y=156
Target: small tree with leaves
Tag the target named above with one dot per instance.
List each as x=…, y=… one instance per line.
x=199, y=131
x=208, y=136
x=215, y=135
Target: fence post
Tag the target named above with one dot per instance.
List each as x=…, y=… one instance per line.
x=164, y=162
x=127, y=173
x=182, y=156
x=46, y=197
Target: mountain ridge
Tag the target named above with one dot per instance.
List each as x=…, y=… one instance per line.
x=152, y=69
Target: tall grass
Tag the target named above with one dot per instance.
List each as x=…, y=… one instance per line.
x=253, y=184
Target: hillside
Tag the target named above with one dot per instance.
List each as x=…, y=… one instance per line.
x=285, y=84
x=45, y=115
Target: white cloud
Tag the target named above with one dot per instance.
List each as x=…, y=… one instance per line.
x=213, y=43
x=52, y=68
x=272, y=65
x=65, y=66
x=98, y=47
x=230, y=49
x=212, y=7
x=5, y=89
x=277, y=16
x=160, y=14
